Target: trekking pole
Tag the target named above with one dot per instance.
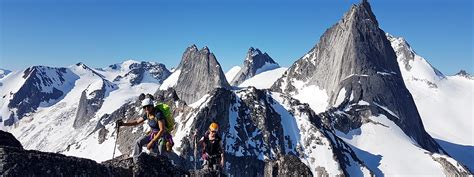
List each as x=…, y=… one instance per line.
x=195, y=149
x=118, y=128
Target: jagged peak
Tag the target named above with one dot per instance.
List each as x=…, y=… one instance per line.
x=464, y=73
x=82, y=65
x=193, y=47
x=253, y=52
x=205, y=50
x=360, y=11
x=257, y=54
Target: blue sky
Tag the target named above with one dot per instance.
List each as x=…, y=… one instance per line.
x=104, y=32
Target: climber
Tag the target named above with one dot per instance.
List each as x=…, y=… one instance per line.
x=212, y=150
x=157, y=123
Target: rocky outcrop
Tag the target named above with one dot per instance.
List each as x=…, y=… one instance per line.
x=287, y=165
x=255, y=63
x=450, y=166
x=354, y=61
x=18, y=162
x=200, y=73
x=15, y=161
x=147, y=165
x=7, y=139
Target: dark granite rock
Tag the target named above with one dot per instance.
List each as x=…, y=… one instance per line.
x=255, y=63
x=287, y=165
x=90, y=103
x=200, y=73
x=7, y=139
x=15, y=161
x=18, y=162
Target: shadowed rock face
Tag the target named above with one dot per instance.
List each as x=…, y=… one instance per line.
x=91, y=100
x=255, y=63
x=356, y=56
x=287, y=165
x=200, y=73
x=7, y=139
x=88, y=106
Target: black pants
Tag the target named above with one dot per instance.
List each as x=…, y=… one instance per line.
x=213, y=160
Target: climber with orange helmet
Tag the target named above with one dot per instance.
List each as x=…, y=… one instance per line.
x=212, y=149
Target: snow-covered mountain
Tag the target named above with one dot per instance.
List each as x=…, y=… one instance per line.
x=22, y=92
x=133, y=72
x=255, y=63
x=445, y=102
x=4, y=72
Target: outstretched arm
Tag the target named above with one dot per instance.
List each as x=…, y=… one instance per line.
x=133, y=122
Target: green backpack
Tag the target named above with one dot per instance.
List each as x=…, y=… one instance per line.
x=166, y=110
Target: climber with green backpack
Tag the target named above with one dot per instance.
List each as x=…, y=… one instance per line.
x=161, y=122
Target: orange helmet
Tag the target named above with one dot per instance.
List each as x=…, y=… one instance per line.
x=213, y=127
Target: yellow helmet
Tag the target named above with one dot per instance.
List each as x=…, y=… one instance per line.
x=213, y=127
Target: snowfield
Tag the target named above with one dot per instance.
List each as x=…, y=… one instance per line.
x=388, y=151
x=229, y=75
x=265, y=79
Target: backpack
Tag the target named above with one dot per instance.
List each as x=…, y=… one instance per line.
x=166, y=111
